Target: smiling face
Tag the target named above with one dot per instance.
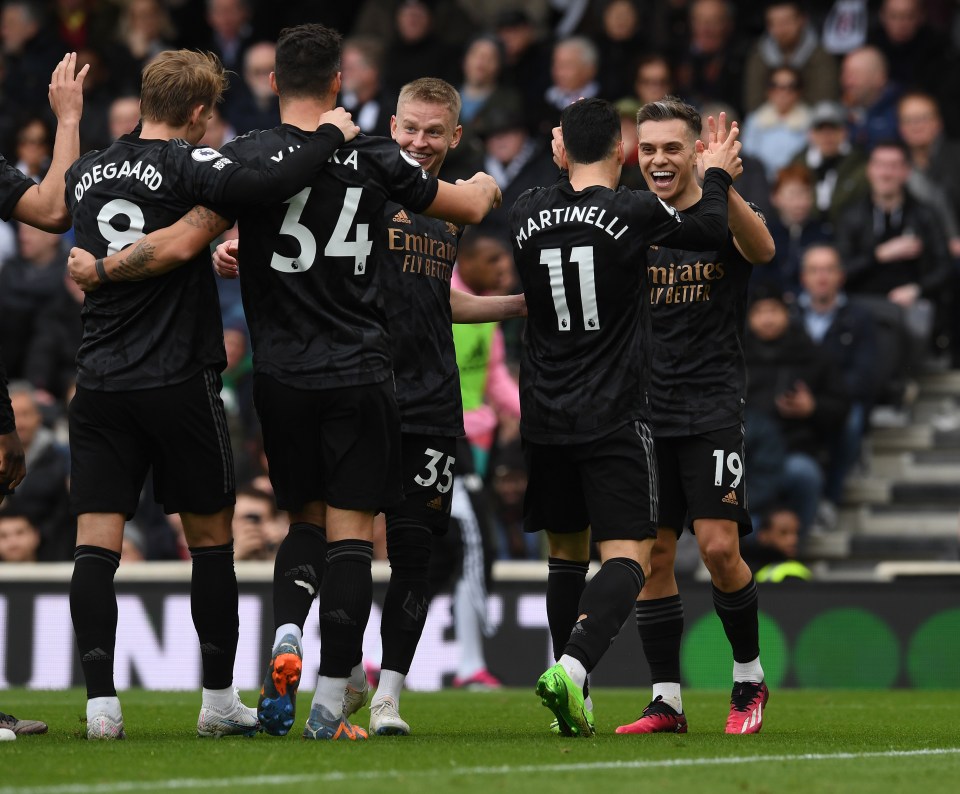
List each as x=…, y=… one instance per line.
x=668, y=158
x=426, y=131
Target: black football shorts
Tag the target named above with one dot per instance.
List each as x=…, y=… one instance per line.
x=339, y=446
x=180, y=431
x=428, y=468
x=608, y=485
x=703, y=476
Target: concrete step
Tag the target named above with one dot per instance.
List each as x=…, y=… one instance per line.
x=894, y=521
x=940, y=383
x=903, y=547
x=901, y=439
x=927, y=492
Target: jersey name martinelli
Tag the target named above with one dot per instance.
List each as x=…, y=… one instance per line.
x=581, y=257
x=417, y=263
x=698, y=305
x=163, y=330
x=309, y=266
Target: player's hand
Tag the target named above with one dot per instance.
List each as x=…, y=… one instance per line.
x=489, y=184
x=65, y=91
x=225, y=262
x=13, y=466
x=723, y=154
x=343, y=120
x=559, y=151
x=81, y=265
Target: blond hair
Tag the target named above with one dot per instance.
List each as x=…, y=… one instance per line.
x=434, y=91
x=176, y=81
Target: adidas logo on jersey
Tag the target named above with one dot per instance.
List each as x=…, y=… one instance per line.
x=730, y=498
x=402, y=217
x=436, y=503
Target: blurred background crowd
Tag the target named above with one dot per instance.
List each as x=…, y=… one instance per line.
x=851, y=137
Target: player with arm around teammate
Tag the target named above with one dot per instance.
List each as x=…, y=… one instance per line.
x=584, y=373
x=148, y=382
x=698, y=302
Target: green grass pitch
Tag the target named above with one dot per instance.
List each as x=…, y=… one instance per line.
x=812, y=742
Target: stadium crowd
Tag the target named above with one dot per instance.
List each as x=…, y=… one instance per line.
x=851, y=142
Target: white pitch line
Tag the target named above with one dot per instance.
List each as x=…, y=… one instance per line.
x=181, y=784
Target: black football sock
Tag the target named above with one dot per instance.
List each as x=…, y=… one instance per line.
x=93, y=607
x=346, y=594
x=213, y=605
x=738, y=614
x=660, y=624
x=298, y=572
x=606, y=603
x=409, y=544
x=565, y=583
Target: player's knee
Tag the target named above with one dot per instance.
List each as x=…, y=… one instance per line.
x=409, y=545
x=720, y=554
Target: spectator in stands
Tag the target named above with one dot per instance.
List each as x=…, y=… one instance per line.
x=417, y=48
x=794, y=225
x=526, y=56
x=19, y=538
x=230, y=31
x=846, y=332
x=482, y=64
x=630, y=175
x=508, y=485
x=34, y=148
x=30, y=54
x=27, y=283
x=254, y=511
x=516, y=159
x=619, y=42
x=839, y=168
x=237, y=394
x=654, y=79
x=573, y=71
x=790, y=40
x=363, y=92
x=797, y=386
x=711, y=67
x=218, y=132
x=915, y=52
x=934, y=160
x=251, y=103
x=51, y=362
x=42, y=496
x=124, y=115
x=145, y=30
x=892, y=245
x=773, y=555
x=777, y=130
x=753, y=185
x=869, y=98
x=105, y=82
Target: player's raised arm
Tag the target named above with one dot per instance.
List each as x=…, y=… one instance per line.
x=157, y=253
x=468, y=201
x=750, y=233
x=43, y=205
x=468, y=309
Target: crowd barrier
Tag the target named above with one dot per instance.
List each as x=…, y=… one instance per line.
x=904, y=632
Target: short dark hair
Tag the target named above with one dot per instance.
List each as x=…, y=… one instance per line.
x=591, y=130
x=892, y=143
x=308, y=58
x=670, y=108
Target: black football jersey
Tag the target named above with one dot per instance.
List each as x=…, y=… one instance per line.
x=145, y=334
x=13, y=184
x=582, y=260
x=698, y=306
x=416, y=264
x=309, y=279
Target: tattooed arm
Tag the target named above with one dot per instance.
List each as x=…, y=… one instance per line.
x=157, y=253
